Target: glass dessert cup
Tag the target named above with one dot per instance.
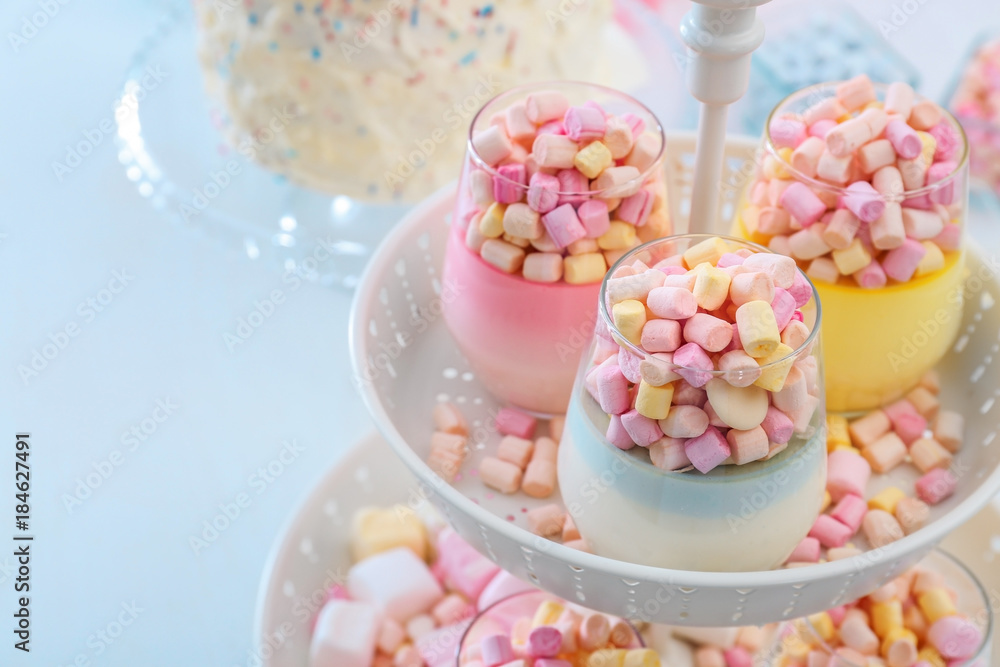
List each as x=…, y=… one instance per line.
x=973, y=602
x=501, y=618
x=878, y=342
x=524, y=338
x=735, y=517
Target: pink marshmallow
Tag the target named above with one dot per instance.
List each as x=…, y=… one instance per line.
x=573, y=187
x=544, y=642
x=821, y=127
x=908, y=424
x=465, y=569
x=955, y=637
x=612, y=388
x=801, y=291
x=830, y=532
x=807, y=551
x=708, y=450
x=901, y=263
x=693, y=363
x=511, y=421
x=936, y=485
x=904, y=139
x=871, y=277
x=630, y=365
x=637, y=124
x=945, y=192
x=787, y=132
x=496, y=650
x=594, y=217
x=661, y=336
x=635, y=209
x=673, y=303
x=948, y=141
x=584, y=123
x=729, y=259
x=864, y=201
x=563, y=225
x=617, y=435
x=643, y=430
x=847, y=472
x=709, y=332
x=783, y=304
x=777, y=425
x=737, y=656
x=543, y=192
x=508, y=184
x=850, y=511
x=802, y=203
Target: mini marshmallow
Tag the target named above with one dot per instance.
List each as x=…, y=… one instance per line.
x=396, y=581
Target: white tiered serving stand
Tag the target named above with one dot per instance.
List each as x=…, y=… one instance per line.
x=405, y=361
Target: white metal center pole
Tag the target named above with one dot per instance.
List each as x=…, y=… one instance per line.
x=720, y=36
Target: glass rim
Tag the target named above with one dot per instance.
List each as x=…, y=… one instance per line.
x=657, y=163
x=513, y=596
x=841, y=190
x=622, y=341
x=987, y=629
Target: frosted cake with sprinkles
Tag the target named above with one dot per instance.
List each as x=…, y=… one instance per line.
x=373, y=99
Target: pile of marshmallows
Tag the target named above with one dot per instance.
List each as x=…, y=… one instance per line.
x=913, y=429
x=557, y=635
x=876, y=151
x=977, y=103
x=910, y=621
x=521, y=462
x=408, y=598
x=567, y=194
x=716, y=383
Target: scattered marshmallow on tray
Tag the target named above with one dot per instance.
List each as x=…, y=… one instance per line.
x=900, y=433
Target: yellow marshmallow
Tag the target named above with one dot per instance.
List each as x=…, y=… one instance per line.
x=709, y=250
x=547, y=614
x=607, y=657
x=584, y=269
x=758, y=328
x=876, y=104
x=773, y=377
x=836, y=432
x=620, y=235
x=936, y=603
x=629, y=316
x=776, y=167
x=491, y=224
x=886, y=499
x=377, y=530
x=895, y=635
x=930, y=654
x=846, y=448
x=711, y=286
x=852, y=258
x=932, y=261
x=929, y=147
x=654, y=402
x=823, y=626
x=642, y=657
x=593, y=159
x=827, y=499
x=886, y=616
